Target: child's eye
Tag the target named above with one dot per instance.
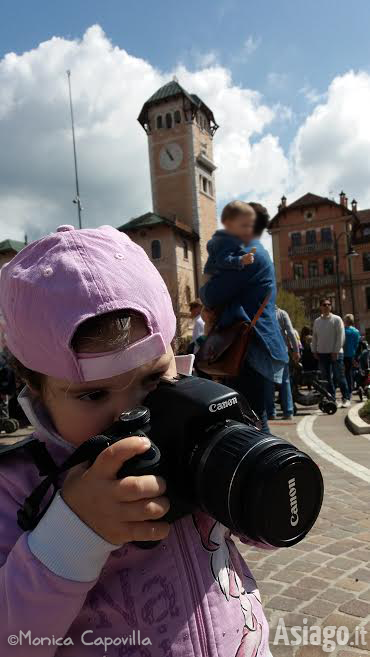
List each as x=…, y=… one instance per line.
x=97, y=395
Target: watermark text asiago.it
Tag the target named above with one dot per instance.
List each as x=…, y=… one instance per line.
x=328, y=637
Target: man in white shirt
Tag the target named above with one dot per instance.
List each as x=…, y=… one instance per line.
x=327, y=346
x=195, y=308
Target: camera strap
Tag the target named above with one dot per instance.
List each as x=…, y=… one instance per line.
x=29, y=514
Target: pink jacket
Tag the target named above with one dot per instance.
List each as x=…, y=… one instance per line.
x=73, y=594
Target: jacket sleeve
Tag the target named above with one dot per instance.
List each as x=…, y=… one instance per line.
x=339, y=336
x=43, y=579
x=293, y=342
x=227, y=254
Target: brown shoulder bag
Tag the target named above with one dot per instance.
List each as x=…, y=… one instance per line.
x=223, y=351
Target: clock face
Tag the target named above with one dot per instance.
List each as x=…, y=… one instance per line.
x=170, y=156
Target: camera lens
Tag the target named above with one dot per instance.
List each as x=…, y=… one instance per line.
x=258, y=485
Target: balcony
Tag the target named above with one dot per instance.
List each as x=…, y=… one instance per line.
x=312, y=283
x=308, y=249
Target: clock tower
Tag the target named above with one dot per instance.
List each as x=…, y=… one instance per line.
x=180, y=129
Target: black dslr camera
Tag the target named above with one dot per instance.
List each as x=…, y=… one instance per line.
x=205, y=444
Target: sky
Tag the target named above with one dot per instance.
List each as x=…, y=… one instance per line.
x=288, y=82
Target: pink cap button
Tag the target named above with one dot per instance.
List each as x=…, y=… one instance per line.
x=64, y=227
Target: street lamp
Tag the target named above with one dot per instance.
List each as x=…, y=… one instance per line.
x=350, y=254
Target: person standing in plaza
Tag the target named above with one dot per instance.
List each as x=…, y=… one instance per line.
x=327, y=346
x=352, y=340
x=291, y=341
x=195, y=308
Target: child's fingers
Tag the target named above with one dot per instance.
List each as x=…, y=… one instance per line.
x=112, y=458
x=131, y=489
x=144, y=510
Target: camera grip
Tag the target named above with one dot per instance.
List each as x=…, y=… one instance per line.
x=142, y=464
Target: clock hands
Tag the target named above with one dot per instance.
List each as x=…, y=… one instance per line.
x=169, y=154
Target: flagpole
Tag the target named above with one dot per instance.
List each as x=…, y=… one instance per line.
x=76, y=200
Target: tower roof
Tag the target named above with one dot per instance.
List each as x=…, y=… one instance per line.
x=171, y=90
x=11, y=245
x=150, y=219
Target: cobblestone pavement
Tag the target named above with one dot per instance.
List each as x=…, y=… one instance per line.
x=325, y=578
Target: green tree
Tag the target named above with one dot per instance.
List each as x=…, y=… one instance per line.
x=294, y=307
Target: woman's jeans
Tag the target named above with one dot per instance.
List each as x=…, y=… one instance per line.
x=333, y=372
x=252, y=385
x=285, y=392
x=348, y=367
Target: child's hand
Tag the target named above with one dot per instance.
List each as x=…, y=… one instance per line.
x=119, y=510
x=248, y=258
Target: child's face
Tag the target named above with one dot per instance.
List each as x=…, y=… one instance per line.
x=242, y=226
x=81, y=410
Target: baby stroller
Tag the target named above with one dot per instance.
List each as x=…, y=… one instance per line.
x=361, y=371
x=318, y=393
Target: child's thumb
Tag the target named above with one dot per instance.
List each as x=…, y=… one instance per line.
x=253, y=250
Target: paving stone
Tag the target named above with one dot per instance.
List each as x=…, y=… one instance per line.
x=350, y=584
x=320, y=539
x=300, y=593
x=363, y=575
x=304, y=566
x=328, y=573
x=269, y=588
x=356, y=608
x=285, y=604
x=340, y=547
x=311, y=651
x=311, y=583
x=297, y=618
x=339, y=620
x=282, y=650
x=286, y=575
x=362, y=555
x=335, y=595
x=365, y=595
x=343, y=563
x=365, y=536
x=320, y=608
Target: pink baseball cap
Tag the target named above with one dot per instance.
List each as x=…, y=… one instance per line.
x=57, y=282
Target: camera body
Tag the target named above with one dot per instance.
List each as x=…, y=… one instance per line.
x=205, y=444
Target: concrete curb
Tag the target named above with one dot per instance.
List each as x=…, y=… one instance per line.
x=355, y=423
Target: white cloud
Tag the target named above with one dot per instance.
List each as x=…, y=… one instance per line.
x=311, y=94
x=109, y=87
x=331, y=148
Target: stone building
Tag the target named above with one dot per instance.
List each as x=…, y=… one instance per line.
x=180, y=129
x=310, y=237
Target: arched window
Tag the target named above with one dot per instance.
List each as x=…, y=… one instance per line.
x=177, y=116
x=168, y=120
x=159, y=122
x=188, y=294
x=186, y=249
x=156, y=250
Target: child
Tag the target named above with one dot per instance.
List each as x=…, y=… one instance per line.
x=90, y=324
x=227, y=248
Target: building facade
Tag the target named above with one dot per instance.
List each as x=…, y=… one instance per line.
x=322, y=248
x=180, y=129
